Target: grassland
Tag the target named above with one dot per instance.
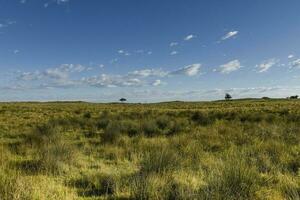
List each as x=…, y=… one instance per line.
x=212, y=150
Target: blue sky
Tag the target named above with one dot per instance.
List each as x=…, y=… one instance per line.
x=148, y=51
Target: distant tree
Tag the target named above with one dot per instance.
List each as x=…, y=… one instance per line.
x=294, y=97
x=266, y=98
x=228, y=96
x=123, y=99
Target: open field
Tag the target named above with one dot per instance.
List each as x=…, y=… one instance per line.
x=246, y=149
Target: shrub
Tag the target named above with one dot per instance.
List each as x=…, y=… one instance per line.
x=150, y=128
x=202, y=118
x=177, y=126
x=163, y=121
x=132, y=128
x=87, y=115
x=112, y=133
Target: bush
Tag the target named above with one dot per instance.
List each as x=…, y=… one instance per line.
x=87, y=115
x=202, y=118
x=150, y=128
x=131, y=128
x=177, y=126
x=112, y=133
x=163, y=121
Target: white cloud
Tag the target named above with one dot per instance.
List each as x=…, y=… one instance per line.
x=6, y=23
x=157, y=82
x=149, y=52
x=189, y=37
x=114, y=60
x=30, y=76
x=172, y=44
x=295, y=64
x=58, y=2
x=57, y=74
x=190, y=70
x=267, y=64
x=291, y=56
x=23, y=1
x=148, y=72
x=229, y=35
x=62, y=1
x=62, y=76
x=230, y=67
x=16, y=51
x=123, y=52
x=173, y=53
x=105, y=80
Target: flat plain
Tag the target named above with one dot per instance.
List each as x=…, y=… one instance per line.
x=240, y=149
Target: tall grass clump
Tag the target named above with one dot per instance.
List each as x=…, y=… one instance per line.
x=52, y=151
x=112, y=132
x=234, y=180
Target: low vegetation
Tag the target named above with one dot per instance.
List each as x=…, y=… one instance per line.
x=215, y=150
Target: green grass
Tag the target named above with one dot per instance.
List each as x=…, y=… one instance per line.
x=247, y=149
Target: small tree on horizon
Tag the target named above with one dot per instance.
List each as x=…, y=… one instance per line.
x=228, y=97
x=294, y=97
x=123, y=99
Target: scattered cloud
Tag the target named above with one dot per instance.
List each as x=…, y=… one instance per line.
x=267, y=64
x=58, y=2
x=56, y=74
x=157, y=82
x=6, y=23
x=61, y=76
x=22, y=1
x=190, y=70
x=230, y=67
x=291, y=56
x=174, y=53
x=148, y=72
x=105, y=80
x=16, y=51
x=295, y=64
x=173, y=44
x=189, y=37
x=114, y=60
x=62, y=1
x=230, y=35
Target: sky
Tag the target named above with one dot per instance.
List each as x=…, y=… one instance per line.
x=148, y=51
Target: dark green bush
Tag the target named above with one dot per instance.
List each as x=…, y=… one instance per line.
x=202, y=118
x=163, y=121
x=150, y=128
x=112, y=132
x=87, y=115
x=131, y=128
